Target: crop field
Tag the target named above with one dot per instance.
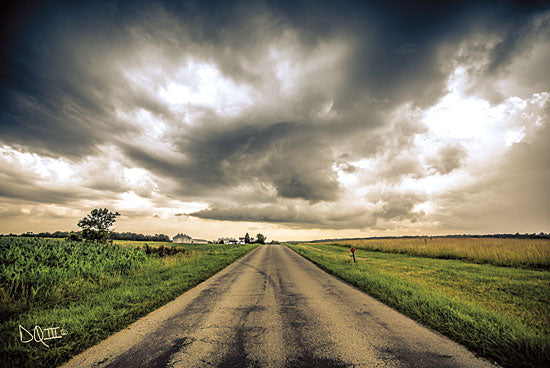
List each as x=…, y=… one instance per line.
x=502, y=313
x=528, y=253
x=136, y=244
x=90, y=290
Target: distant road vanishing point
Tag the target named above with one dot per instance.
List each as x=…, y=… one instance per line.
x=273, y=308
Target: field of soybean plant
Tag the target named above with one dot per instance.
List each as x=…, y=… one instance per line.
x=89, y=290
x=494, y=301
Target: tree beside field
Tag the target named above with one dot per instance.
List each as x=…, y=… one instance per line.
x=96, y=226
x=260, y=238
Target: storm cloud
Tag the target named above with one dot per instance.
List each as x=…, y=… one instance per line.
x=378, y=115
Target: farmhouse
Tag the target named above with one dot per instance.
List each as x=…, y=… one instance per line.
x=228, y=241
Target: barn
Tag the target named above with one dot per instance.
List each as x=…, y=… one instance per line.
x=182, y=238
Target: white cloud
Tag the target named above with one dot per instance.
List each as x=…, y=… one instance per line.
x=202, y=84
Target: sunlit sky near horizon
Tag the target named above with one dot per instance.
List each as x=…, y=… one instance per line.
x=300, y=120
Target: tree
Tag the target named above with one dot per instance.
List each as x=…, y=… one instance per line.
x=260, y=239
x=74, y=237
x=96, y=226
x=247, y=239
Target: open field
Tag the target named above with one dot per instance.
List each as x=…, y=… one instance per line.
x=141, y=244
x=90, y=290
x=502, y=313
x=135, y=243
x=529, y=253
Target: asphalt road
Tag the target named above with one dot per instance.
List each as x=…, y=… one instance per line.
x=274, y=308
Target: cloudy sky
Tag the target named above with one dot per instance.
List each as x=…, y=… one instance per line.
x=298, y=119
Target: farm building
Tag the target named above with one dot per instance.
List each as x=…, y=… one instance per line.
x=182, y=238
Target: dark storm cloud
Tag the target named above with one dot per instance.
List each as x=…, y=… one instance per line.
x=270, y=213
x=54, y=96
x=289, y=216
x=517, y=40
x=58, y=81
x=518, y=50
x=398, y=42
x=23, y=186
x=39, y=194
x=67, y=74
x=399, y=206
x=448, y=159
x=296, y=162
x=393, y=206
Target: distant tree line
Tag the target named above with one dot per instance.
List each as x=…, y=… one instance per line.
x=57, y=234
x=540, y=235
x=114, y=236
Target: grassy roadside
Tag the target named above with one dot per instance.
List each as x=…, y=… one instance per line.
x=512, y=252
x=95, y=305
x=501, y=313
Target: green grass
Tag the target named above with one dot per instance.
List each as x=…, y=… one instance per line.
x=135, y=243
x=513, y=252
x=90, y=305
x=501, y=313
